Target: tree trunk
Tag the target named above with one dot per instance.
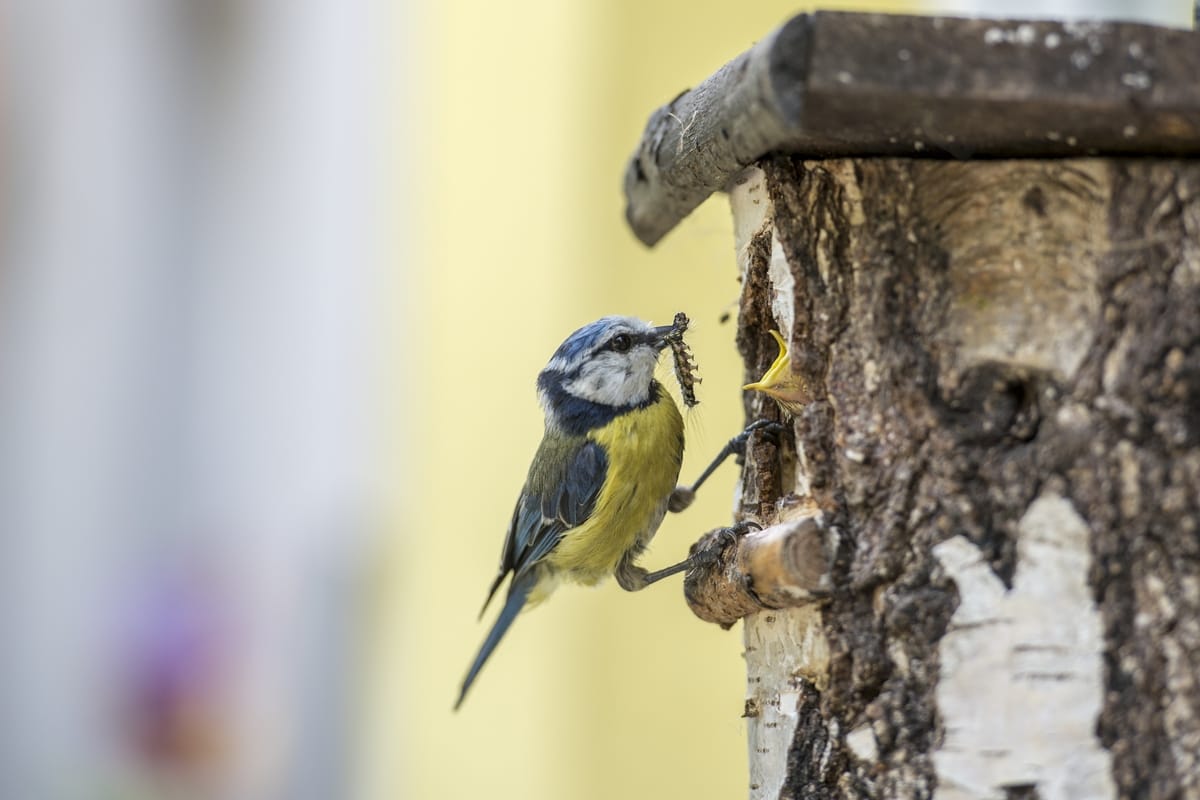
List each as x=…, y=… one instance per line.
x=1000, y=435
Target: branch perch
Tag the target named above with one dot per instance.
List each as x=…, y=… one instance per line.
x=783, y=566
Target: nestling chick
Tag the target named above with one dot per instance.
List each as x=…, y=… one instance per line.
x=780, y=383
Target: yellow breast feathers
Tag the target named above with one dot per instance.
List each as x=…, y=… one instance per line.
x=644, y=449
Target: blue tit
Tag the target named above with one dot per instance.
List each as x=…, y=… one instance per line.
x=602, y=477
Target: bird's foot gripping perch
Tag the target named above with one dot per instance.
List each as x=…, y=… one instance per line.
x=683, y=496
x=712, y=546
x=703, y=554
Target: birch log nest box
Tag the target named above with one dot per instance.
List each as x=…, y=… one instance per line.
x=979, y=574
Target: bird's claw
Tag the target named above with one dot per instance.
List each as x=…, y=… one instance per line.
x=769, y=428
x=709, y=549
x=744, y=527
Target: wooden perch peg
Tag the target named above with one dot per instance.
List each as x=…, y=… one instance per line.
x=783, y=566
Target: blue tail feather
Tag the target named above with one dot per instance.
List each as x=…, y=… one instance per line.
x=518, y=593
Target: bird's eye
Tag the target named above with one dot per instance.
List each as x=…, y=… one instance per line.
x=621, y=343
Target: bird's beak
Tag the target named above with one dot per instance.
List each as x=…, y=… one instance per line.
x=662, y=335
x=787, y=389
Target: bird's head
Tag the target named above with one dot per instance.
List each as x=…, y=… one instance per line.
x=609, y=362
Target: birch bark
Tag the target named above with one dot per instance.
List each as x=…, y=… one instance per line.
x=1003, y=442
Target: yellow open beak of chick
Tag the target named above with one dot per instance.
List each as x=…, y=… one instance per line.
x=779, y=383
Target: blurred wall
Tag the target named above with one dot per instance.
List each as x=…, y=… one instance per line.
x=1174, y=13
x=189, y=307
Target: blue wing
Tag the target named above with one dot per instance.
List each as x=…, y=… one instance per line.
x=559, y=494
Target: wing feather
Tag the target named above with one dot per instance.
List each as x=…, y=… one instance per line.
x=560, y=493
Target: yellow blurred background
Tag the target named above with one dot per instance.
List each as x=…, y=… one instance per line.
x=277, y=281
x=528, y=115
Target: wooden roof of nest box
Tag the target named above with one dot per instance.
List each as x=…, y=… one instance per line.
x=838, y=84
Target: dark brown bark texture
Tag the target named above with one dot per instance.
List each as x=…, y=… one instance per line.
x=927, y=294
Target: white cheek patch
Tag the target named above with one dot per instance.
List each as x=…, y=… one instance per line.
x=613, y=379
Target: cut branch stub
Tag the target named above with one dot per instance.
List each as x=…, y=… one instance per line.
x=837, y=84
x=783, y=566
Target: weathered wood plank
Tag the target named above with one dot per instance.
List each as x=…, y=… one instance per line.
x=837, y=84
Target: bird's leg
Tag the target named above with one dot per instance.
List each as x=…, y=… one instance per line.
x=683, y=496
x=633, y=578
